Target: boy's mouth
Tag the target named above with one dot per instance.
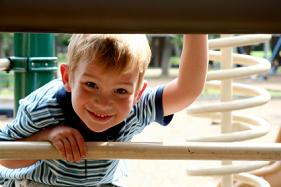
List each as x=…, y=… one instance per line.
x=100, y=117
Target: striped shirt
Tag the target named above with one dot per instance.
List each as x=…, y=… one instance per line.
x=51, y=105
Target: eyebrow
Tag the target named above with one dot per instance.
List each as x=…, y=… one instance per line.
x=129, y=83
x=88, y=75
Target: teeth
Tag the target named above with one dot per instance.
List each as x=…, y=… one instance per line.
x=101, y=115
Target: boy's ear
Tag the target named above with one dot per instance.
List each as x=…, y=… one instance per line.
x=64, y=70
x=139, y=94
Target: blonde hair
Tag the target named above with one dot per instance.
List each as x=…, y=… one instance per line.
x=115, y=52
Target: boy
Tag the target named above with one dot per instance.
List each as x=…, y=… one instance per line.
x=100, y=98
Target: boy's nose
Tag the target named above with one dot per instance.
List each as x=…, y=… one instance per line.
x=102, y=100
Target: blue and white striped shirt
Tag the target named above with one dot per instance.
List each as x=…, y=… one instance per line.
x=51, y=105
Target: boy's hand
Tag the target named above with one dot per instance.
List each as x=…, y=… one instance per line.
x=69, y=142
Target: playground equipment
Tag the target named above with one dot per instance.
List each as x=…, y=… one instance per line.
x=34, y=63
x=168, y=17
x=234, y=127
x=254, y=126
x=141, y=16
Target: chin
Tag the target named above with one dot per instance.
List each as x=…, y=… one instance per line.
x=98, y=129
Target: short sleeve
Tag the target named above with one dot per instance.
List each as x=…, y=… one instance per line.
x=160, y=118
x=150, y=108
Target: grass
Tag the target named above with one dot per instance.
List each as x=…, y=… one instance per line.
x=260, y=54
x=6, y=93
x=274, y=93
x=174, y=61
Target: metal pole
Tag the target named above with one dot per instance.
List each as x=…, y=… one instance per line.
x=141, y=16
x=148, y=151
x=226, y=118
x=34, y=63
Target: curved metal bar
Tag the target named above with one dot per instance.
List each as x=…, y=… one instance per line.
x=255, y=66
x=235, y=41
x=256, y=127
x=225, y=169
x=251, y=179
x=261, y=97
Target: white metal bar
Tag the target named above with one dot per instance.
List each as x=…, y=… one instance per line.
x=4, y=64
x=258, y=65
x=255, y=127
x=150, y=151
x=235, y=41
x=251, y=179
x=262, y=97
x=226, y=117
x=226, y=169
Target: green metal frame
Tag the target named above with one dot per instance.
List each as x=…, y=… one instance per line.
x=34, y=63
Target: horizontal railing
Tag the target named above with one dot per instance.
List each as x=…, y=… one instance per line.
x=141, y=16
x=4, y=64
x=150, y=151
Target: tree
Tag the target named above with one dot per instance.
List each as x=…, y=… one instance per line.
x=6, y=44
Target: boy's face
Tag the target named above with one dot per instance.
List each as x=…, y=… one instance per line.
x=102, y=99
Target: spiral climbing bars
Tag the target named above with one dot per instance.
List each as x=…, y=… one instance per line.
x=234, y=126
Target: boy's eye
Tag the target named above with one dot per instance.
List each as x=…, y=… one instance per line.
x=121, y=91
x=91, y=84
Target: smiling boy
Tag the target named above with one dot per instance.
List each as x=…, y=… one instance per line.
x=101, y=97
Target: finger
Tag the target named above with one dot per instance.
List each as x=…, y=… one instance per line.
x=68, y=150
x=60, y=147
x=81, y=144
x=75, y=148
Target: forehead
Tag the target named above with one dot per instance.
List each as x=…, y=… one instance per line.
x=96, y=69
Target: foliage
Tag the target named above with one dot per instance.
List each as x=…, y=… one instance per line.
x=174, y=61
x=177, y=40
x=62, y=41
x=6, y=80
x=6, y=44
x=6, y=84
x=260, y=53
x=61, y=58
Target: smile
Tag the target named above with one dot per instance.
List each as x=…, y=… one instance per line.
x=101, y=117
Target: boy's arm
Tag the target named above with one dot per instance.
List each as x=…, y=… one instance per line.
x=68, y=141
x=181, y=92
x=13, y=164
